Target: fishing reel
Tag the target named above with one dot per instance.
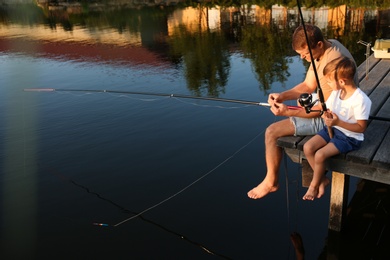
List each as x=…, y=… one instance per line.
x=306, y=101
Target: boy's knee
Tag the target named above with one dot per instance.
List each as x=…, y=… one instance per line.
x=320, y=156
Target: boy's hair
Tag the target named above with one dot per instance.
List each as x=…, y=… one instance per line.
x=342, y=68
x=314, y=36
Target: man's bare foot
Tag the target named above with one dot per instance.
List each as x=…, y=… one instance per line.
x=321, y=190
x=311, y=193
x=262, y=190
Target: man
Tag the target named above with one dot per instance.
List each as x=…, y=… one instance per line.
x=299, y=123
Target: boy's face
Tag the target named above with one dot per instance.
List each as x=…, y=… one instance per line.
x=332, y=82
x=305, y=53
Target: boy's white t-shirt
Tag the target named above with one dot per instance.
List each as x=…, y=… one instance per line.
x=356, y=107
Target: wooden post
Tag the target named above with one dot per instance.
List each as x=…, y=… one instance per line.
x=338, y=200
x=307, y=174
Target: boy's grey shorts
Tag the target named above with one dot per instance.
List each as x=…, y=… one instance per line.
x=307, y=126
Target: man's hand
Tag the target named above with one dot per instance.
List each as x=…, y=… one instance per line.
x=279, y=109
x=272, y=98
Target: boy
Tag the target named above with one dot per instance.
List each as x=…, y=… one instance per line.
x=347, y=115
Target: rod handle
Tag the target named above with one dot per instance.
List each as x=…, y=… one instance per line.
x=330, y=129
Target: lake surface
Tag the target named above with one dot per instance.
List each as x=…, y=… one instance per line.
x=79, y=167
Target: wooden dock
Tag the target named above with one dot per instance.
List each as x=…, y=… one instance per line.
x=372, y=160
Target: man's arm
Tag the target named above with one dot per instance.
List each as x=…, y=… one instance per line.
x=309, y=85
x=280, y=109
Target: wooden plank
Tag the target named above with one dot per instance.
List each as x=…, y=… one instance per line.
x=372, y=61
x=385, y=109
x=360, y=170
x=373, y=137
x=289, y=141
x=303, y=141
x=382, y=156
x=338, y=199
x=379, y=95
x=376, y=76
x=294, y=154
x=307, y=174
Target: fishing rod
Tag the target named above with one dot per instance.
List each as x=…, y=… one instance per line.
x=246, y=102
x=319, y=89
x=305, y=100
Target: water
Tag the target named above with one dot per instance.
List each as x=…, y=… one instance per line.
x=73, y=159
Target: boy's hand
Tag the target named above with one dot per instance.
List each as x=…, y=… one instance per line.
x=330, y=118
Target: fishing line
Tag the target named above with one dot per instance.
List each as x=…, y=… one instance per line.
x=287, y=201
x=287, y=180
x=127, y=211
x=189, y=185
x=136, y=215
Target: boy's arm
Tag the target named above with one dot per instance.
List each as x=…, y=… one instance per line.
x=358, y=127
x=361, y=110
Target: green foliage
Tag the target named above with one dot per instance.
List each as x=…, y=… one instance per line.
x=267, y=48
x=205, y=58
x=22, y=14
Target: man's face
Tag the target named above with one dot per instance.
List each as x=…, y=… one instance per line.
x=305, y=54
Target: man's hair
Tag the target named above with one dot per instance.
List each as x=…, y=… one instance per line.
x=342, y=68
x=314, y=36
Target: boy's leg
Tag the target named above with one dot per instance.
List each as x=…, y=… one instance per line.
x=320, y=157
x=311, y=147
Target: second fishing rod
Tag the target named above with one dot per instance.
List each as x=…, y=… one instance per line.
x=305, y=100
x=238, y=101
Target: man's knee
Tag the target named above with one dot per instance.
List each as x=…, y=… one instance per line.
x=280, y=129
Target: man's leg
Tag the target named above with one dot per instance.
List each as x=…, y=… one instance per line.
x=273, y=157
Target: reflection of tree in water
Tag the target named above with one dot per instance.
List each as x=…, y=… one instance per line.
x=268, y=49
x=205, y=58
x=28, y=14
x=349, y=40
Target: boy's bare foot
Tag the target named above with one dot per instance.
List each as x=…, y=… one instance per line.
x=262, y=190
x=321, y=190
x=311, y=193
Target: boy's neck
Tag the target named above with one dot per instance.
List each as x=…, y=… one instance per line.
x=347, y=91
